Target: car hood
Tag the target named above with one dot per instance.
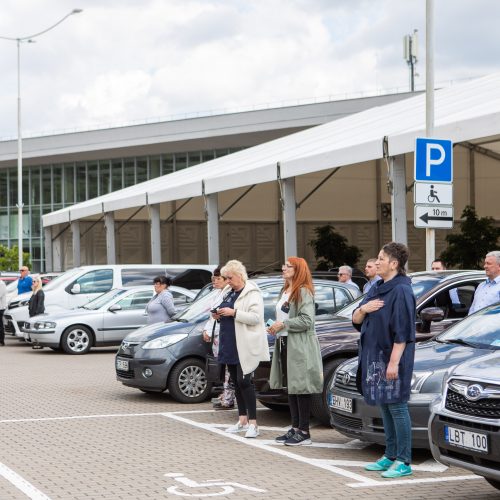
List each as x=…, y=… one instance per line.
x=483, y=367
x=150, y=332
x=57, y=313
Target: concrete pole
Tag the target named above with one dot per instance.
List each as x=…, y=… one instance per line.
x=154, y=217
x=75, y=230
x=398, y=199
x=212, y=207
x=289, y=216
x=430, y=234
x=109, y=224
x=47, y=239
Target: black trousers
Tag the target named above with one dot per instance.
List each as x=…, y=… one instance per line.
x=2, y=331
x=244, y=391
x=300, y=409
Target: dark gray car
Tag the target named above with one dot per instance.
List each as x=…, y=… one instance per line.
x=172, y=355
x=474, y=336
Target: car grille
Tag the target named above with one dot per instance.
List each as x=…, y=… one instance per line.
x=345, y=381
x=124, y=374
x=346, y=422
x=9, y=327
x=485, y=408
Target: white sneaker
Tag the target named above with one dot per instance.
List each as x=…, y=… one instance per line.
x=237, y=428
x=252, y=432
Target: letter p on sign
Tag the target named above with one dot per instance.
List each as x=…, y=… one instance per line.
x=433, y=160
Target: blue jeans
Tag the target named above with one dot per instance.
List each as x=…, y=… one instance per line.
x=397, y=428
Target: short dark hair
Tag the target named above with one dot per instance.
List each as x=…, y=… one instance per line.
x=217, y=271
x=398, y=252
x=443, y=263
x=163, y=280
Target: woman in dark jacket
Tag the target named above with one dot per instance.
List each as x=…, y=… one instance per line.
x=387, y=349
x=36, y=303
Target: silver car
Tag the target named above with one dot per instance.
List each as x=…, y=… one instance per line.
x=104, y=321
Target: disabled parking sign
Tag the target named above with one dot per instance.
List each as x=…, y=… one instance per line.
x=433, y=160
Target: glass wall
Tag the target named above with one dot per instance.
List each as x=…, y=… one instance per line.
x=51, y=187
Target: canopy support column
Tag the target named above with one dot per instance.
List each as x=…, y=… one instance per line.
x=47, y=236
x=397, y=175
x=288, y=208
x=75, y=230
x=154, y=217
x=212, y=214
x=109, y=224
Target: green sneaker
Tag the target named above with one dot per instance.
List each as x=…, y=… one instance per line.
x=397, y=469
x=381, y=464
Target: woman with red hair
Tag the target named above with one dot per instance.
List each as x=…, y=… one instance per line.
x=296, y=364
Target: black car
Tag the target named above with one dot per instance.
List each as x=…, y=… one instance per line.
x=339, y=339
x=464, y=426
x=172, y=356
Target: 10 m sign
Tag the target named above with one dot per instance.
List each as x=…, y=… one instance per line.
x=429, y=216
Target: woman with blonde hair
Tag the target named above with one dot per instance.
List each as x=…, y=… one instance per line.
x=242, y=341
x=297, y=363
x=36, y=304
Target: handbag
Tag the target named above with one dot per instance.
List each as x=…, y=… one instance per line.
x=213, y=369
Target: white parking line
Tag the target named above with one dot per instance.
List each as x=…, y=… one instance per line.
x=408, y=482
x=21, y=484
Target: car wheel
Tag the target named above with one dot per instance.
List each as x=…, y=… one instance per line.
x=493, y=482
x=187, y=382
x=76, y=339
x=275, y=407
x=319, y=403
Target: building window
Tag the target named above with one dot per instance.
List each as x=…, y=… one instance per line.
x=81, y=182
x=104, y=177
x=116, y=175
x=129, y=172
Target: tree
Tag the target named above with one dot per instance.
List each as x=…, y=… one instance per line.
x=331, y=249
x=478, y=236
x=9, y=258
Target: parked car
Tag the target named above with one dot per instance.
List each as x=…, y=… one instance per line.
x=464, y=426
x=104, y=321
x=474, y=336
x=80, y=285
x=338, y=339
x=172, y=356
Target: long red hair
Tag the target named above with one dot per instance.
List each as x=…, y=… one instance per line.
x=301, y=279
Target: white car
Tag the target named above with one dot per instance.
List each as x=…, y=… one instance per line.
x=104, y=321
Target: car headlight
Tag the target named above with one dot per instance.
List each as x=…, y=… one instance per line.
x=23, y=303
x=417, y=381
x=165, y=341
x=44, y=325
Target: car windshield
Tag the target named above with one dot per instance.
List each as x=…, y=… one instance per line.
x=478, y=330
x=55, y=282
x=420, y=285
x=103, y=299
x=12, y=286
x=200, y=307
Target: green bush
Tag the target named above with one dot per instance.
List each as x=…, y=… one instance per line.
x=9, y=259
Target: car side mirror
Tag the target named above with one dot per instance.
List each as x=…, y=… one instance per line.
x=75, y=289
x=115, y=307
x=428, y=315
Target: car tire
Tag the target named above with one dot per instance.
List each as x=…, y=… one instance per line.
x=147, y=391
x=319, y=403
x=56, y=348
x=275, y=407
x=77, y=339
x=187, y=382
x=493, y=482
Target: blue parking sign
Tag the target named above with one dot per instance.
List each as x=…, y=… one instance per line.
x=433, y=160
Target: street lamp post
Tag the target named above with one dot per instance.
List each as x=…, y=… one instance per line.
x=19, y=40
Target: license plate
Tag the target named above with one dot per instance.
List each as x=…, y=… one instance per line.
x=122, y=364
x=340, y=403
x=466, y=439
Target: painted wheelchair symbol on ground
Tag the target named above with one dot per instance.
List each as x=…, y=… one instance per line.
x=221, y=487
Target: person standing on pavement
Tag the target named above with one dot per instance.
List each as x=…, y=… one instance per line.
x=36, y=304
x=345, y=276
x=160, y=308
x=25, y=281
x=386, y=318
x=226, y=399
x=371, y=274
x=242, y=341
x=488, y=293
x=3, y=306
x=296, y=363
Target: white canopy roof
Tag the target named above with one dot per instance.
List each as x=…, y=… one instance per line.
x=465, y=112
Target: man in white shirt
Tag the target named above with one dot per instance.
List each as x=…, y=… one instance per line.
x=371, y=274
x=345, y=276
x=488, y=292
x=439, y=265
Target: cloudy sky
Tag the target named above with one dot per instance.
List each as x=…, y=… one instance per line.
x=121, y=61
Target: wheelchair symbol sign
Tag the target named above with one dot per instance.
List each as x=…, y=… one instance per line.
x=427, y=193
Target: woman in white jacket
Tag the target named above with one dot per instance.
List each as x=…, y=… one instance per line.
x=242, y=341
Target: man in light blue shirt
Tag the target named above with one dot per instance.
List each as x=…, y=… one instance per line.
x=345, y=276
x=371, y=274
x=488, y=293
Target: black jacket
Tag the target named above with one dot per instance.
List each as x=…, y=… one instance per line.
x=36, y=304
